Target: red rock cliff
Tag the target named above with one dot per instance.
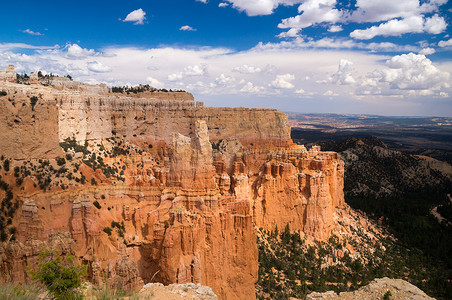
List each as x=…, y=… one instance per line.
x=187, y=208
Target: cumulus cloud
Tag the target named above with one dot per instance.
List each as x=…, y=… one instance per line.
x=97, y=67
x=344, y=73
x=137, y=16
x=260, y=7
x=246, y=69
x=224, y=80
x=445, y=43
x=74, y=51
x=330, y=93
x=432, y=5
x=406, y=74
x=155, y=82
x=313, y=12
x=223, y=4
x=187, y=28
x=203, y=1
x=435, y=25
x=394, y=27
x=375, y=11
x=283, y=81
x=413, y=72
x=176, y=76
x=335, y=28
x=300, y=91
x=209, y=71
x=427, y=51
x=292, y=32
x=31, y=32
x=398, y=17
x=196, y=70
x=250, y=88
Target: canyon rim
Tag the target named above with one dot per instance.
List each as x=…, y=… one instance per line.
x=151, y=186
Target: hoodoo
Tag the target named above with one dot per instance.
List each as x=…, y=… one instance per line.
x=151, y=186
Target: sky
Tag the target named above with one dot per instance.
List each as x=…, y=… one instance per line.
x=311, y=56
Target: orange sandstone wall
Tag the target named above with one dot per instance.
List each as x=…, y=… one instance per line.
x=189, y=211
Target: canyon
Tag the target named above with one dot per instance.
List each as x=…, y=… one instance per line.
x=155, y=187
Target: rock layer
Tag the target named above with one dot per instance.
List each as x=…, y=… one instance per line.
x=394, y=288
x=190, y=202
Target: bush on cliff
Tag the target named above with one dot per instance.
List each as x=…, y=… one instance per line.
x=33, y=101
x=59, y=274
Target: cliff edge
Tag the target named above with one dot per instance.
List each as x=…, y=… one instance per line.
x=149, y=188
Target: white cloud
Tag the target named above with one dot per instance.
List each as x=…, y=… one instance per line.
x=427, y=51
x=224, y=80
x=314, y=12
x=31, y=32
x=250, y=88
x=432, y=5
x=76, y=52
x=399, y=17
x=292, y=32
x=335, y=43
x=12, y=46
x=196, y=70
x=223, y=4
x=330, y=93
x=375, y=11
x=187, y=28
x=335, y=28
x=283, y=81
x=445, y=43
x=176, y=76
x=211, y=73
x=394, y=27
x=246, y=69
x=344, y=73
x=435, y=25
x=137, y=16
x=413, y=72
x=406, y=74
x=97, y=67
x=300, y=91
x=155, y=82
x=260, y=7
x=203, y=1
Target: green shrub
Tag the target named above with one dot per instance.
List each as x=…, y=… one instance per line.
x=59, y=274
x=107, y=230
x=6, y=165
x=60, y=161
x=33, y=101
x=387, y=295
x=16, y=171
x=97, y=205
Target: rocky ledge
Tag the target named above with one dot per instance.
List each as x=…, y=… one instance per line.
x=381, y=288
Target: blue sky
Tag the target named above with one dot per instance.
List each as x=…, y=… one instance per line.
x=359, y=56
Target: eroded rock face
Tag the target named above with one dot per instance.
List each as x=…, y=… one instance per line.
x=87, y=113
x=398, y=289
x=188, y=208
